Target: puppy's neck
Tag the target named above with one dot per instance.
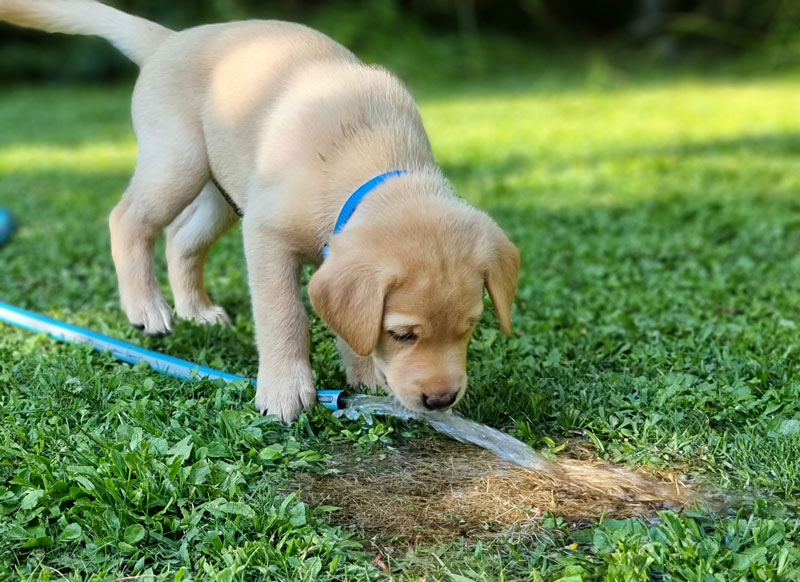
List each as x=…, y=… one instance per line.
x=370, y=153
x=403, y=198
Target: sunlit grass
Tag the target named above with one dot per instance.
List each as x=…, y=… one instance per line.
x=91, y=158
x=620, y=146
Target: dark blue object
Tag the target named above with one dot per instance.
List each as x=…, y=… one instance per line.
x=7, y=225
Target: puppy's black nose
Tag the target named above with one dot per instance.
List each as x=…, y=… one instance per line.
x=439, y=401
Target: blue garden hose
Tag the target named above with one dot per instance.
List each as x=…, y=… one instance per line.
x=133, y=354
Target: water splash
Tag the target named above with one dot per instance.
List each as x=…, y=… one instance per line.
x=453, y=425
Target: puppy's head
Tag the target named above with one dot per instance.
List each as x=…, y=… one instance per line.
x=409, y=293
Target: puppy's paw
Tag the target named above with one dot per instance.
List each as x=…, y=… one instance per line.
x=204, y=314
x=285, y=398
x=153, y=317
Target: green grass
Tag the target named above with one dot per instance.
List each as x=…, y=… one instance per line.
x=657, y=321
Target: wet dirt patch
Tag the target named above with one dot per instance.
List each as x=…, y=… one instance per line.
x=434, y=490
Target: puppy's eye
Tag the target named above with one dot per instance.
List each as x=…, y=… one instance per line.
x=404, y=337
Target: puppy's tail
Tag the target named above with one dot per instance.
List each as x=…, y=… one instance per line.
x=136, y=37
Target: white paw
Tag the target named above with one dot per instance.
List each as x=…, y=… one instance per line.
x=153, y=316
x=286, y=398
x=204, y=314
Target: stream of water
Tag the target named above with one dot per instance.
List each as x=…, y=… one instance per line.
x=453, y=425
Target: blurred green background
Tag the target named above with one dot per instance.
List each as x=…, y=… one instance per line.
x=454, y=38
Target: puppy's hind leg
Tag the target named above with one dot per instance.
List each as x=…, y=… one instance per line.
x=164, y=183
x=189, y=239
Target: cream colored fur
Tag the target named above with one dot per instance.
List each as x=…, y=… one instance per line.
x=290, y=123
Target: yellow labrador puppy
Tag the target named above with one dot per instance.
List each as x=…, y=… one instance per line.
x=279, y=124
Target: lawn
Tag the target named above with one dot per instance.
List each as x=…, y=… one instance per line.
x=657, y=326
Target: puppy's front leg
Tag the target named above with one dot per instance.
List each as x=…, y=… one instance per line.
x=285, y=384
x=360, y=370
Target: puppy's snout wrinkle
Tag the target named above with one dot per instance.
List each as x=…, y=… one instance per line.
x=439, y=401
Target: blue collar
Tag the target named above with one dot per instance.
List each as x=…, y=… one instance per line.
x=355, y=199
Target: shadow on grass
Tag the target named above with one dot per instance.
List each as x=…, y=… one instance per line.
x=776, y=145
x=760, y=144
x=464, y=170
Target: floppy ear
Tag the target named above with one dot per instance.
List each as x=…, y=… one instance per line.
x=501, y=278
x=349, y=298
